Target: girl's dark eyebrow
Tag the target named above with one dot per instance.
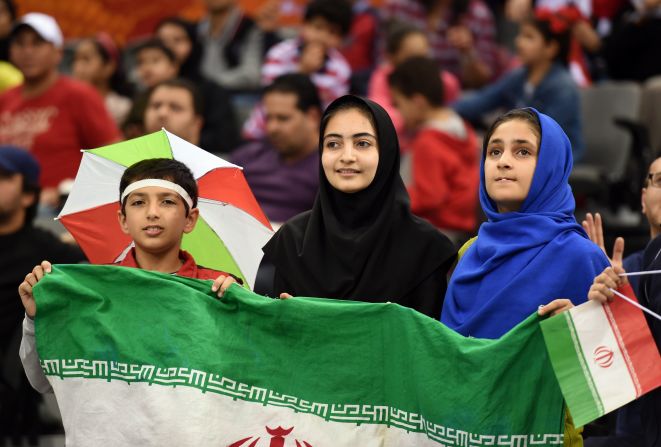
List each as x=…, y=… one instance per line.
x=356, y=135
x=517, y=141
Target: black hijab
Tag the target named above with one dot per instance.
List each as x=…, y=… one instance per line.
x=366, y=245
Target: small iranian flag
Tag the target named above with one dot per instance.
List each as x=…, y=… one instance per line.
x=604, y=356
x=145, y=359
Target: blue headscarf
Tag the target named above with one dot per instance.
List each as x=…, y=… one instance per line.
x=527, y=258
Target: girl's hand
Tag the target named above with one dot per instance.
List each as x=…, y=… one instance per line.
x=555, y=307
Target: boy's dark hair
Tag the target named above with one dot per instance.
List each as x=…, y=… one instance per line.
x=336, y=12
x=397, y=32
x=163, y=169
x=419, y=75
x=198, y=101
x=525, y=114
x=297, y=84
x=155, y=44
x=556, y=29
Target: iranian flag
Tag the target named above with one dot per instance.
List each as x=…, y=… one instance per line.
x=146, y=359
x=603, y=355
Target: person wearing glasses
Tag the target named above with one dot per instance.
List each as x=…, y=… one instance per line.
x=634, y=421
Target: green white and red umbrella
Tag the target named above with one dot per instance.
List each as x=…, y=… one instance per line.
x=231, y=230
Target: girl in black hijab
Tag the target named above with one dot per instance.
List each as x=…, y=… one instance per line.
x=360, y=240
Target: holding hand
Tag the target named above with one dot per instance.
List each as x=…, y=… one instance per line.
x=555, y=307
x=313, y=57
x=25, y=289
x=608, y=279
x=221, y=284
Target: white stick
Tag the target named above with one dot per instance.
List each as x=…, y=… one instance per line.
x=643, y=308
x=650, y=272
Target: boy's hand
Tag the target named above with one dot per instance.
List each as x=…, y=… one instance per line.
x=25, y=289
x=221, y=284
x=312, y=58
x=285, y=296
x=555, y=307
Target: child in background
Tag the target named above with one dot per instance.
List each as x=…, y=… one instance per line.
x=97, y=62
x=444, y=174
x=314, y=52
x=405, y=41
x=158, y=205
x=543, y=82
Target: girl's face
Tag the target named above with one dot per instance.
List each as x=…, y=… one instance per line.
x=88, y=66
x=531, y=46
x=350, y=151
x=511, y=158
x=176, y=39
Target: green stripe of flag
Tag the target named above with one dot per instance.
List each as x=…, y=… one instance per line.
x=571, y=369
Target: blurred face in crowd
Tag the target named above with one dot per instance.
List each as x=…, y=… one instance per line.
x=176, y=39
x=531, y=46
x=411, y=108
x=33, y=56
x=509, y=166
x=651, y=198
x=350, y=154
x=89, y=66
x=414, y=44
x=154, y=66
x=12, y=198
x=5, y=20
x=173, y=108
x=291, y=131
x=320, y=31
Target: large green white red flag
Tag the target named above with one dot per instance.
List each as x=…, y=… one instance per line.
x=604, y=356
x=146, y=359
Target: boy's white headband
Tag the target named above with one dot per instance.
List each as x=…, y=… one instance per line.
x=157, y=182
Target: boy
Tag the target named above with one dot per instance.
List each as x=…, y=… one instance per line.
x=445, y=177
x=158, y=199
x=314, y=52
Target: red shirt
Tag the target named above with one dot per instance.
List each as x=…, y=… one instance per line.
x=56, y=125
x=445, y=179
x=189, y=269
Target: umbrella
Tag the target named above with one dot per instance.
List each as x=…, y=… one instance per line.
x=231, y=230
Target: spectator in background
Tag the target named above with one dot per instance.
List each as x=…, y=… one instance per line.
x=405, y=41
x=360, y=47
x=22, y=246
x=157, y=63
x=50, y=115
x=97, y=62
x=221, y=129
x=462, y=35
x=542, y=82
x=314, y=52
x=283, y=168
x=233, y=46
x=630, y=419
x=445, y=174
x=9, y=75
x=632, y=49
x=175, y=105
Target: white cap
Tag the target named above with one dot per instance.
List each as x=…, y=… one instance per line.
x=44, y=25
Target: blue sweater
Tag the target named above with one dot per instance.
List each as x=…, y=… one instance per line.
x=557, y=96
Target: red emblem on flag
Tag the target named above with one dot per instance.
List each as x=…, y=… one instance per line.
x=277, y=439
x=603, y=356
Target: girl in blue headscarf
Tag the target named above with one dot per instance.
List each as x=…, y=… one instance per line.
x=531, y=250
